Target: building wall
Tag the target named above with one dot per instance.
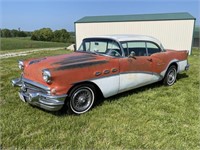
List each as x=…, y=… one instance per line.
x=174, y=34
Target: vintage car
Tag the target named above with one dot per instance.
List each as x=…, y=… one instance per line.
x=105, y=65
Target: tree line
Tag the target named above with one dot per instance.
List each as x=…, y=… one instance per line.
x=14, y=33
x=44, y=34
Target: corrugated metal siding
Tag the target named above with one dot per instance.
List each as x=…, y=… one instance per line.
x=176, y=34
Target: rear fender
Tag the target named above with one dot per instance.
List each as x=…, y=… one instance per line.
x=174, y=61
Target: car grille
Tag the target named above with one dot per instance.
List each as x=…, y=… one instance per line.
x=27, y=87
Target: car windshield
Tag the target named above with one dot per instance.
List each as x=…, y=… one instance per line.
x=101, y=46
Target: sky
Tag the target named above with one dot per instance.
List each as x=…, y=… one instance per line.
x=30, y=15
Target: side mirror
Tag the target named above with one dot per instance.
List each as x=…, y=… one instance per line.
x=132, y=54
x=74, y=47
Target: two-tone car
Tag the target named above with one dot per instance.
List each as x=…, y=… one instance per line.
x=103, y=65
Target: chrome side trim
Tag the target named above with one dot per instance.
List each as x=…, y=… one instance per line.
x=97, y=73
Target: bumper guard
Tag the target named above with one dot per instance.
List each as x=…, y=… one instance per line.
x=187, y=67
x=36, y=98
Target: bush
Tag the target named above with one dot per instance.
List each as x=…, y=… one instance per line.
x=46, y=34
x=35, y=35
x=61, y=36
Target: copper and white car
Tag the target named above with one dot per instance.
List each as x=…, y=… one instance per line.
x=105, y=65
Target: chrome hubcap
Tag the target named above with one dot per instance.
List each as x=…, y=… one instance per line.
x=171, y=76
x=82, y=100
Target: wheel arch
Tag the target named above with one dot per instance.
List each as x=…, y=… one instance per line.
x=166, y=77
x=175, y=63
x=171, y=64
x=86, y=82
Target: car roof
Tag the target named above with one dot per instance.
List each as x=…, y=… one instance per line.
x=129, y=37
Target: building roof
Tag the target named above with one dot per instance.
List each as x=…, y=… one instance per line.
x=137, y=17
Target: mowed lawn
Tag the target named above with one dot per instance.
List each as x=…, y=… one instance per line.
x=26, y=43
x=152, y=117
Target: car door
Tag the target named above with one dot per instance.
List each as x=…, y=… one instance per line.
x=158, y=59
x=135, y=67
x=107, y=73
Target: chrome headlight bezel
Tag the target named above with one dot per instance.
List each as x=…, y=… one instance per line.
x=46, y=75
x=21, y=65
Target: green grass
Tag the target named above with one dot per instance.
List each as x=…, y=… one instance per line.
x=27, y=43
x=152, y=117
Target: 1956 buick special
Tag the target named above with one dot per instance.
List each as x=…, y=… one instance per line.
x=105, y=64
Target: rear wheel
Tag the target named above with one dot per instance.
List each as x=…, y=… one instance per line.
x=170, y=76
x=82, y=98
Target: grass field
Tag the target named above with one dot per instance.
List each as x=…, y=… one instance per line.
x=152, y=117
x=27, y=43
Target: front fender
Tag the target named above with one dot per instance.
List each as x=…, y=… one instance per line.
x=109, y=85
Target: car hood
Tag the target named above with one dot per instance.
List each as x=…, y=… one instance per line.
x=33, y=68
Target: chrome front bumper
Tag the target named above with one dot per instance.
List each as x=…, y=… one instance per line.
x=187, y=67
x=38, y=95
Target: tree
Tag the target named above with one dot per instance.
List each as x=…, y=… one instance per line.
x=61, y=36
x=14, y=33
x=28, y=33
x=22, y=34
x=35, y=35
x=5, y=33
x=44, y=34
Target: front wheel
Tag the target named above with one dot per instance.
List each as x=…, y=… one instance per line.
x=82, y=98
x=170, y=76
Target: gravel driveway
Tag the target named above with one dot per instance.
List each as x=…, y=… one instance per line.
x=14, y=54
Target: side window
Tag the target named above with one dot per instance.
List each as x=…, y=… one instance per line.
x=152, y=48
x=101, y=46
x=139, y=48
x=113, y=45
x=114, y=49
x=125, y=48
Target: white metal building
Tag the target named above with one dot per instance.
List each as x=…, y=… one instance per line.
x=174, y=30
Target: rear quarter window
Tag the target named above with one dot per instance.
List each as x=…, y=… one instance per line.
x=152, y=48
x=139, y=48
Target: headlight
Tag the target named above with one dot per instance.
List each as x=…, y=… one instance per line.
x=46, y=75
x=21, y=65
